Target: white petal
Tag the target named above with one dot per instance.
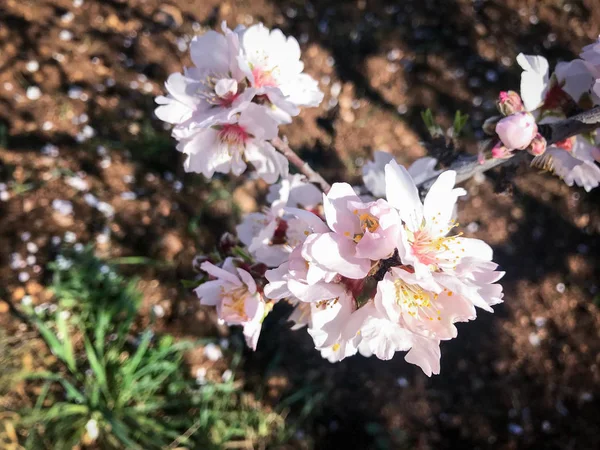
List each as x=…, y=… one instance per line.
x=403, y=195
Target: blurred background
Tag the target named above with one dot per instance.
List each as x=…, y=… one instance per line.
x=84, y=164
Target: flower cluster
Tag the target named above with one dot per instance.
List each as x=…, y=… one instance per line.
x=226, y=109
x=372, y=274
x=546, y=98
x=364, y=275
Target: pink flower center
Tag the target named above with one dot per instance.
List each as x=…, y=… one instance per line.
x=432, y=250
x=263, y=78
x=368, y=222
x=233, y=135
x=234, y=304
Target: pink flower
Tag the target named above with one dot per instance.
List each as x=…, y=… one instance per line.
x=235, y=295
x=517, y=131
x=424, y=242
x=360, y=233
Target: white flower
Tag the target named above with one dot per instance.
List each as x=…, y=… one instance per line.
x=227, y=145
x=271, y=62
x=210, y=90
x=426, y=225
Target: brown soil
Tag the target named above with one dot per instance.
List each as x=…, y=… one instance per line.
x=525, y=377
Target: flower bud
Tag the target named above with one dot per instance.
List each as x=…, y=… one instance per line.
x=566, y=144
x=509, y=103
x=517, y=131
x=500, y=152
x=227, y=242
x=538, y=145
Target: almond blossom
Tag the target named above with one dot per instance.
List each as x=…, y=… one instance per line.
x=272, y=234
x=227, y=145
x=211, y=89
x=360, y=233
x=271, y=62
x=424, y=235
x=235, y=294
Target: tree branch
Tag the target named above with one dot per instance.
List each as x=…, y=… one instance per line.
x=312, y=175
x=468, y=166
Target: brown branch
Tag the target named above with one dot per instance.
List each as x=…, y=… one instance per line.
x=468, y=166
x=312, y=175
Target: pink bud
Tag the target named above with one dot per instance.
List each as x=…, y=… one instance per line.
x=509, y=102
x=538, y=145
x=517, y=130
x=566, y=144
x=500, y=152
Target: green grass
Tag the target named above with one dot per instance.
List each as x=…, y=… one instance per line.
x=122, y=388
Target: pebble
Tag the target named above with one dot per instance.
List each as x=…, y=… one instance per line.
x=47, y=125
x=78, y=183
x=201, y=375
x=128, y=195
x=24, y=277
x=32, y=248
x=106, y=209
x=515, y=429
x=534, y=339
x=227, y=376
x=32, y=66
x=158, y=311
x=50, y=150
x=67, y=17
x=63, y=207
x=4, y=196
x=33, y=93
x=70, y=237
x=213, y=352
x=473, y=227
x=540, y=321
x=402, y=382
x=65, y=35
x=560, y=288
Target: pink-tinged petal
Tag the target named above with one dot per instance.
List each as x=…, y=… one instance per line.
x=248, y=280
x=328, y=320
x=576, y=76
x=313, y=221
x=210, y=52
x=335, y=253
x=269, y=163
x=426, y=354
x=402, y=194
x=256, y=121
x=219, y=273
x=373, y=173
x=277, y=287
x=209, y=292
x=383, y=241
x=457, y=287
x=338, y=214
x=252, y=333
x=423, y=169
x=316, y=292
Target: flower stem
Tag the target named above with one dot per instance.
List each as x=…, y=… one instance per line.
x=312, y=175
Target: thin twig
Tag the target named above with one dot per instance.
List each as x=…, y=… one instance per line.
x=468, y=166
x=302, y=166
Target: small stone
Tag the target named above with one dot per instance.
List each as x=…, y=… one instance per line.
x=213, y=352
x=33, y=93
x=560, y=288
x=32, y=66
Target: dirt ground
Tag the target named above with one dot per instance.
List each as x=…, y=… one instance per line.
x=83, y=159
